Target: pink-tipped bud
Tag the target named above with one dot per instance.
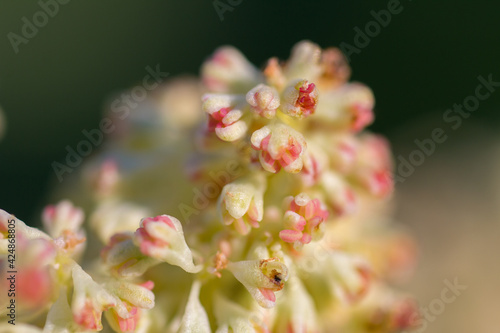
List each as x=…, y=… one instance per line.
x=134, y=299
x=229, y=71
x=264, y=100
x=224, y=117
x=262, y=278
x=280, y=147
x=162, y=238
x=124, y=258
x=300, y=100
x=303, y=220
x=60, y=217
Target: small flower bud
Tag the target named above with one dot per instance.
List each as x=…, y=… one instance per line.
x=89, y=300
x=162, y=238
x=124, y=257
x=264, y=100
x=280, y=147
x=373, y=169
x=304, y=61
x=60, y=217
x=112, y=217
x=349, y=107
x=303, y=220
x=224, y=119
x=350, y=276
x=228, y=70
x=335, y=69
x=262, y=278
x=340, y=196
x=298, y=312
x=135, y=298
x=300, y=100
x=195, y=318
x=35, y=281
x=106, y=178
x=241, y=204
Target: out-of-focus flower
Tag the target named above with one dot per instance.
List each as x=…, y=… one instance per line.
x=195, y=318
x=2, y=123
x=264, y=100
x=90, y=300
x=211, y=151
x=112, y=217
x=350, y=107
x=228, y=70
x=135, y=298
x=232, y=316
x=124, y=258
x=63, y=222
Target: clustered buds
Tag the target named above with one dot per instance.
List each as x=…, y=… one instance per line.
x=262, y=278
x=303, y=220
x=274, y=185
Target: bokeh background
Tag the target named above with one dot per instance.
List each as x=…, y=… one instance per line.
x=424, y=61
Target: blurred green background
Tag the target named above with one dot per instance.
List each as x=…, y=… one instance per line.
x=425, y=60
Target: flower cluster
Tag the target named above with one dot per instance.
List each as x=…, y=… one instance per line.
x=276, y=197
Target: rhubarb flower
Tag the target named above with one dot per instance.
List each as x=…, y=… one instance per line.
x=112, y=217
x=195, y=318
x=162, y=238
x=231, y=315
x=225, y=119
x=135, y=298
x=228, y=70
x=303, y=220
x=350, y=276
x=300, y=99
x=63, y=222
x=262, y=278
x=264, y=100
x=299, y=313
x=279, y=147
x=241, y=204
x=90, y=300
x=124, y=258
x=63, y=216
x=349, y=107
